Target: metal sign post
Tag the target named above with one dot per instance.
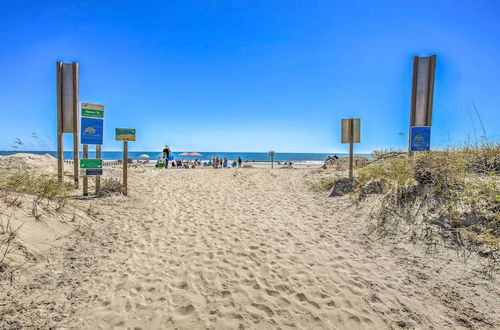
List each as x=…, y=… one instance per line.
x=125, y=135
x=351, y=134
x=92, y=129
x=271, y=154
x=422, y=94
x=67, y=75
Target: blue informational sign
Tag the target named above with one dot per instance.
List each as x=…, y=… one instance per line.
x=93, y=171
x=420, y=138
x=92, y=130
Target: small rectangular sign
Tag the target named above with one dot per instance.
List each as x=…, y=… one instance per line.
x=92, y=131
x=92, y=113
x=92, y=171
x=420, y=138
x=271, y=154
x=125, y=134
x=92, y=110
x=351, y=130
x=90, y=163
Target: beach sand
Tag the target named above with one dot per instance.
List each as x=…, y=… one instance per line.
x=237, y=249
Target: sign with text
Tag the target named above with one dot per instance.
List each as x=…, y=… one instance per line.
x=90, y=163
x=271, y=153
x=92, y=123
x=125, y=134
x=420, y=138
x=92, y=171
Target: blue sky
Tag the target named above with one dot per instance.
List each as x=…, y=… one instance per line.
x=250, y=75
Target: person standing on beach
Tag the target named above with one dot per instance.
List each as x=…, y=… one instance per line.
x=166, y=155
x=239, y=161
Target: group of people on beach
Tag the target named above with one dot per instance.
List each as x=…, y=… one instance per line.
x=215, y=162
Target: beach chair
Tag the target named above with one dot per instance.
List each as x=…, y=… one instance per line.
x=160, y=163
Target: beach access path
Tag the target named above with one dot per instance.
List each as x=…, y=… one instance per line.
x=257, y=249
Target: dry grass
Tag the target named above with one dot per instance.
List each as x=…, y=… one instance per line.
x=324, y=183
x=110, y=186
x=27, y=182
x=449, y=196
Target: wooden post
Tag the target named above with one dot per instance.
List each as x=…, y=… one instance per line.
x=272, y=161
x=76, y=144
x=98, y=177
x=60, y=156
x=351, y=147
x=125, y=166
x=85, y=178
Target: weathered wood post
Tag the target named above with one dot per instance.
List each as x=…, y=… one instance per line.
x=351, y=134
x=125, y=166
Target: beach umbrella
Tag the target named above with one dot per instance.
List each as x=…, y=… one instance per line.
x=143, y=156
x=194, y=154
x=185, y=154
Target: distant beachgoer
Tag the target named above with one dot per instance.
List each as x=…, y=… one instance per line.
x=225, y=162
x=335, y=156
x=239, y=161
x=166, y=155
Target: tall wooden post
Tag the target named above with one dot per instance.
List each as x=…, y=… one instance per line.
x=125, y=166
x=76, y=144
x=272, y=161
x=85, y=178
x=98, y=177
x=60, y=156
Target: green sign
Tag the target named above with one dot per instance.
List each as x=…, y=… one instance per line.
x=93, y=113
x=90, y=163
x=125, y=134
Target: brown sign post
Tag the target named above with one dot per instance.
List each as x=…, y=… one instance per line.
x=351, y=135
x=271, y=154
x=125, y=135
x=67, y=75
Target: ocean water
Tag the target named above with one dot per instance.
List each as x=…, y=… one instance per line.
x=245, y=156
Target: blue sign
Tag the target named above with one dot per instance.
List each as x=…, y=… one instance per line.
x=92, y=129
x=93, y=171
x=420, y=138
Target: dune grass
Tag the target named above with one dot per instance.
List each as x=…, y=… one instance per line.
x=452, y=194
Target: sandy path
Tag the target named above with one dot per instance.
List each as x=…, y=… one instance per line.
x=229, y=249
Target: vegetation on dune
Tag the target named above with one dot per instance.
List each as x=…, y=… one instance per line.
x=452, y=194
x=48, y=194
x=42, y=186
x=449, y=197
